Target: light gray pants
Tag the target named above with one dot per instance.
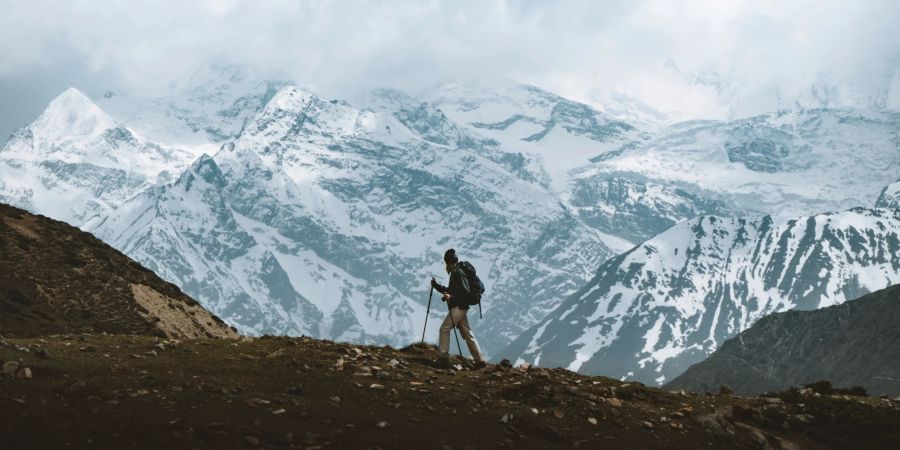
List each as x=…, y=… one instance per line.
x=462, y=324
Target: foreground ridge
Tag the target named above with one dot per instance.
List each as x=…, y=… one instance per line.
x=110, y=391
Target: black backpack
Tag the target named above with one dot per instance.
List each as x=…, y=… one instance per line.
x=476, y=287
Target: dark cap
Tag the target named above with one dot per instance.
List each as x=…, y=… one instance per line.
x=450, y=257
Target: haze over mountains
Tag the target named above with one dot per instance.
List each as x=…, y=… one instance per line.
x=288, y=213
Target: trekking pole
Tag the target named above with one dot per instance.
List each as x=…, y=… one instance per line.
x=427, y=312
x=455, y=333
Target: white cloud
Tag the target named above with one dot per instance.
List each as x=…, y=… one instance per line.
x=584, y=49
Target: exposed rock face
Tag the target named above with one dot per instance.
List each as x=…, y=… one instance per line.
x=853, y=344
x=56, y=279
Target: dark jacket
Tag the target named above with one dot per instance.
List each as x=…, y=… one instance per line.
x=458, y=289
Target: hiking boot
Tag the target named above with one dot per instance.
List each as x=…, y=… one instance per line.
x=443, y=362
x=479, y=365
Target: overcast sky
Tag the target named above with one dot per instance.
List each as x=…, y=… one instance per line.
x=582, y=49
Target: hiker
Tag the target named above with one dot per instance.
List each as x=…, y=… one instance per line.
x=456, y=294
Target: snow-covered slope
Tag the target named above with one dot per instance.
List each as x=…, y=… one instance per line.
x=786, y=165
x=75, y=161
x=325, y=219
x=560, y=133
x=668, y=303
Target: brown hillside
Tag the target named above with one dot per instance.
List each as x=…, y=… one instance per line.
x=55, y=278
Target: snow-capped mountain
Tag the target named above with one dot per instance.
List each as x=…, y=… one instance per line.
x=75, y=161
x=635, y=181
x=668, y=303
x=325, y=219
x=783, y=164
x=560, y=133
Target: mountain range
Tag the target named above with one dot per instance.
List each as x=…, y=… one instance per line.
x=288, y=213
x=655, y=310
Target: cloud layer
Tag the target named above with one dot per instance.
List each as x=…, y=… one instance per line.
x=583, y=49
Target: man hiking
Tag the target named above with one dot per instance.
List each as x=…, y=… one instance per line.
x=457, y=295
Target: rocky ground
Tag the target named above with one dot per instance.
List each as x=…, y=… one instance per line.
x=120, y=392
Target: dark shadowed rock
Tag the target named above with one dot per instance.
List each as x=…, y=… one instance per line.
x=852, y=344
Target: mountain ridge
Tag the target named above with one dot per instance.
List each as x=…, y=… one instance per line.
x=851, y=344
x=651, y=312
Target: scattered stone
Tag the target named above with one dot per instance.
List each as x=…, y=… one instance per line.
x=506, y=418
x=336, y=399
x=648, y=425
x=376, y=386
x=773, y=400
x=251, y=440
x=592, y=421
x=535, y=411
x=278, y=412
x=800, y=421
x=393, y=363
x=382, y=424
x=276, y=354
x=725, y=390
x=10, y=368
x=505, y=364
x=296, y=390
x=256, y=401
x=614, y=402
x=558, y=413
x=24, y=373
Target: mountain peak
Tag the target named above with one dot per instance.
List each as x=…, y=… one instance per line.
x=73, y=113
x=290, y=98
